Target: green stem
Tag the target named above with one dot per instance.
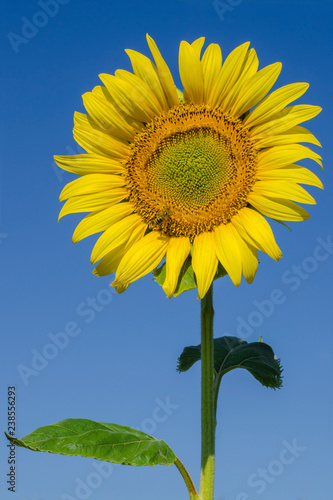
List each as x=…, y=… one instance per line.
x=188, y=480
x=207, y=398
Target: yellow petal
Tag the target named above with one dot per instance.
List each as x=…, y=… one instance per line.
x=249, y=69
x=91, y=183
x=120, y=288
x=291, y=136
x=283, y=189
x=249, y=260
x=197, y=45
x=115, y=236
x=177, y=251
x=279, y=156
x=144, y=68
x=274, y=103
x=257, y=232
x=228, y=251
x=110, y=262
x=229, y=74
x=129, y=99
x=89, y=164
x=97, y=142
x=204, y=261
x=278, y=208
x=249, y=256
x=101, y=92
x=141, y=259
x=142, y=87
x=211, y=67
x=100, y=221
x=164, y=74
x=285, y=120
x=104, y=113
x=255, y=89
x=294, y=173
x=190, y=71
x=93, y=202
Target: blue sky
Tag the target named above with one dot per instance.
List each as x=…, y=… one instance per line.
x=119, y=363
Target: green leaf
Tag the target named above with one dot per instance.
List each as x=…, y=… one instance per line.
x=107, y=442
x=186, y=280
x=231, y=352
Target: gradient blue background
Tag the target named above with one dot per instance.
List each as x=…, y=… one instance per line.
x=122, y=364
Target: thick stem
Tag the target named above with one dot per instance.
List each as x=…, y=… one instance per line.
x=207, y=398
x=188, y=480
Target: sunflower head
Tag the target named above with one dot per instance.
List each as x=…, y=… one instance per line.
x=189, y=176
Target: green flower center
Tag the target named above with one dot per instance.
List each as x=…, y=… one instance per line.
x=190, y=168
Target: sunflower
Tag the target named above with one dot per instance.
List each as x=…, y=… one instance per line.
x=173, y=174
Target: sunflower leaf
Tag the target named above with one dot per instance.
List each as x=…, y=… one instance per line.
x=108, y=442
x=186, y=280
x=231, y=352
